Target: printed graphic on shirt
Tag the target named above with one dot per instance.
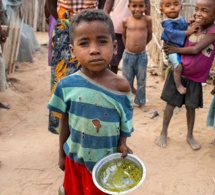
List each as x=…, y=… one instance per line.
x=195, y=39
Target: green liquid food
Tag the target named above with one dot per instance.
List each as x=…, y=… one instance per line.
x=119, y=175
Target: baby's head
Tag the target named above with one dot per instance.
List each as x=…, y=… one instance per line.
x=170, y=8
x=91, y=16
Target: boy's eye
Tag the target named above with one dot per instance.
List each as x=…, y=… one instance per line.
x=103, y=41
x=83, y=43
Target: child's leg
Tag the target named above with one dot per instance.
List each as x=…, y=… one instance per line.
x=177, y=78
x=127, y=68
x=141, y=75
x=190, y=124
x=168, y=112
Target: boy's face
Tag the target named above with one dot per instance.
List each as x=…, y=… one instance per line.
x=170, y=8
x=204, y=12
x=137, y=8
x=93, y=45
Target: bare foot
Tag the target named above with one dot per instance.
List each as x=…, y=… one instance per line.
x=193, y=143
x=161, y=141
x=213, y=142
x=181, y=89
x=134, y=90
x=4, y=105
x=144, y=108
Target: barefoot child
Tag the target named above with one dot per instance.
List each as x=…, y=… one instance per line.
x=175, y=31
x=211, y=112
x=197, y=57
x=137, y=33
x=95, y=103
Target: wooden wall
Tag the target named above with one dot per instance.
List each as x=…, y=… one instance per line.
x=33, y=13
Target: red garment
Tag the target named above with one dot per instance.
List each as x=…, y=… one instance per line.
x=78, y=180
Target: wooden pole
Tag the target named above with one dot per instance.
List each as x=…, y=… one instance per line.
x=35, y=14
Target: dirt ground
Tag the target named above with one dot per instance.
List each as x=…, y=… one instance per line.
x=29, y=153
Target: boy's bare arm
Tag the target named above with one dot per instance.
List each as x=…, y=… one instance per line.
x=101, y=4
x=52, y=8
x=108, y=6
x=205, y=42
x=124, y=22
x=149, y=27
x=64, y=134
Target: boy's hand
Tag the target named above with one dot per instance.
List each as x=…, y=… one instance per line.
x=124, y=149
x=192, y=28
x=169, y=48
x=61, y=163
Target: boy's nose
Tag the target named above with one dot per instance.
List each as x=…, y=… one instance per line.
x=94, y=48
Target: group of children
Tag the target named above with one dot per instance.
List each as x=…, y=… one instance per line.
x=96, y=105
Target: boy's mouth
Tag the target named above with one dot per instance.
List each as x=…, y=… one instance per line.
x=96, y=60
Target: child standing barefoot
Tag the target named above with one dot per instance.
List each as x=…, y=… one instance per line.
x=211, y=112
x=95, y=103
x=197, y=58
x=137, y=33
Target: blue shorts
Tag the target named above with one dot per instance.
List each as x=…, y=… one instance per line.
x=175, y=59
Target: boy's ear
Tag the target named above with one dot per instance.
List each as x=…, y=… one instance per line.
x=161, y=11
x=115, y=46
x=71, y=48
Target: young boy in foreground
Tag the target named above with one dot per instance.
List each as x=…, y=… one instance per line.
x=95, y=104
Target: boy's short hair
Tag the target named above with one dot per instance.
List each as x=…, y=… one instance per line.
x=131, y=0
x=90, y=16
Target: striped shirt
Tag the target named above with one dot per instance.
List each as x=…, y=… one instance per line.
x=75, y=6
x=97, y=117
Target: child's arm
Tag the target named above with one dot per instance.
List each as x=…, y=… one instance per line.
x=124, y=22
x=64, y=134
x=101, y=4
x=52, y=8
x=177, y=36
x=192, y=50
x=149, y=27
x=108, y=6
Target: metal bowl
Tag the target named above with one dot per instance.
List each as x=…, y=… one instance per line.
x=117, y=156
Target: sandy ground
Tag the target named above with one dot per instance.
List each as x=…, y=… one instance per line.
x=29, y=153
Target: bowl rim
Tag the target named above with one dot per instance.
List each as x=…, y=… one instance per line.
x=123, y=192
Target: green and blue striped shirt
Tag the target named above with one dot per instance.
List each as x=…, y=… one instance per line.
x=97, y=117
